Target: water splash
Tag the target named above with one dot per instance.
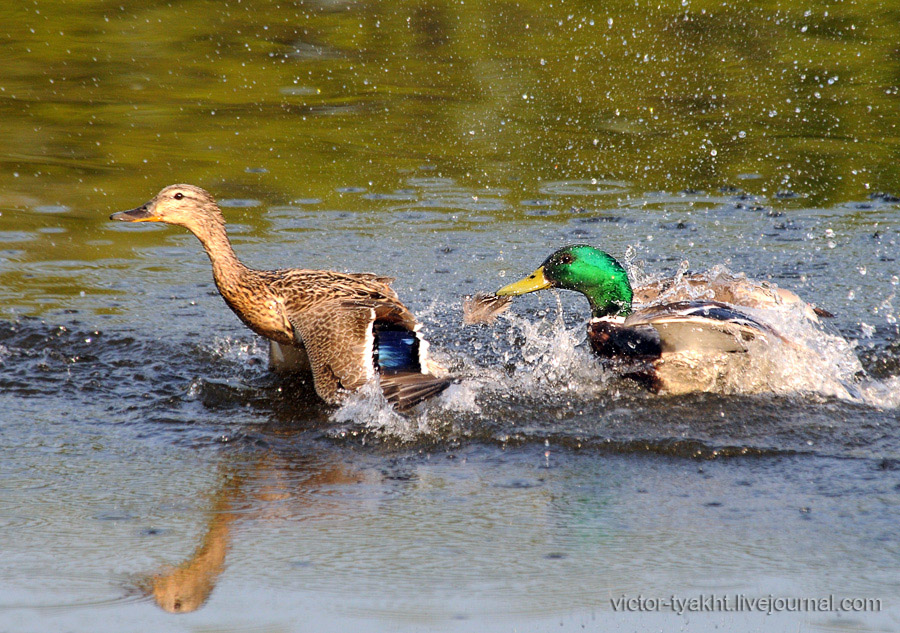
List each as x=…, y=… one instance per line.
x=461, y=398
x=253, y=351
x=552, y=355
x=809, y=357
x=369, y=410
x=814, y=358
x=527, y=358
x=884, y=394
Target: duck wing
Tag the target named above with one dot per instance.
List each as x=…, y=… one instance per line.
x=338, y=339
x=407, y=389
x=723, y=287
x=700, y=326
x=345, y=340
x=365, y=277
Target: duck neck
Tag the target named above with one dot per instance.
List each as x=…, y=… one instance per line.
x=611, y=298
x=604, y=305
x=228, y=271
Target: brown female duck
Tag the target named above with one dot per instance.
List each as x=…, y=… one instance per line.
x=348, y=326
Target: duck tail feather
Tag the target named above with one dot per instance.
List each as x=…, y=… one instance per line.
x=407, y=389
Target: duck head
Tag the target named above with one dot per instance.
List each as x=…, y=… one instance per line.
x=182, y=205
x=585, y=269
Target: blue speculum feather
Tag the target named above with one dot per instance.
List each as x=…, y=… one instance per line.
x=396, y=350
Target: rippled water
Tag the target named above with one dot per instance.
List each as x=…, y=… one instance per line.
x=151, y=465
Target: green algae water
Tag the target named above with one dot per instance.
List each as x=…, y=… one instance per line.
x=155, y=476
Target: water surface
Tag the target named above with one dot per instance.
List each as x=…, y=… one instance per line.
x=151, y=465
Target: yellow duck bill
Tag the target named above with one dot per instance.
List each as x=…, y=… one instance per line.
x=533, y=282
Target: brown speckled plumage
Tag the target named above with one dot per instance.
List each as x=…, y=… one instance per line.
x=329, y=314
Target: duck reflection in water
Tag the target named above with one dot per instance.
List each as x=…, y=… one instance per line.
x=187, y=587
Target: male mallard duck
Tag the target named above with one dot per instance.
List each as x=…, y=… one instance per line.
x=678, y=347
x=349, y=326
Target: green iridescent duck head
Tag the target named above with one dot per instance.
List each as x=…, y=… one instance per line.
x=585, y=269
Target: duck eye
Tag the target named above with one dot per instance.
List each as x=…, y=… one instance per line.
x=566, y=259
x=178, y=196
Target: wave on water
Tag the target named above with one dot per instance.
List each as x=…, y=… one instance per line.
x=528, y=376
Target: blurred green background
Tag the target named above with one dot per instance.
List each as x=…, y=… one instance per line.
x=103, y=103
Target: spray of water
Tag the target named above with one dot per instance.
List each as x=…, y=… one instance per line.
x=809, y=357
x=368, y=409
x=241, y=351
x=547, y=359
